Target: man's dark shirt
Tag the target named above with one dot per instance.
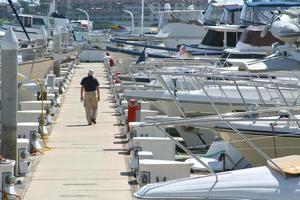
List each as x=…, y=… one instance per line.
x=89, y=83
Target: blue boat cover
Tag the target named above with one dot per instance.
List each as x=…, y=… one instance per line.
x=201, y=51
x=272, y=4
x=136, y=53
x=122, y=41
x=233, y=7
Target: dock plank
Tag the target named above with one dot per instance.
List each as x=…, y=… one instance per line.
x=84, y=162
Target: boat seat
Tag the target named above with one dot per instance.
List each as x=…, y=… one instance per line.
x=288, y=164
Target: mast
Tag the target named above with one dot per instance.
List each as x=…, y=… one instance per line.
x=52, y=7
x=142, y=17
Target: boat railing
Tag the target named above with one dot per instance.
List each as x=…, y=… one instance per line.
x=205, y=75
x=250, y=143
x=228, y=119
x=222, y=62
x=32, y=53
x=172, y=93
x=212, y=77
x=181, y=71
x=275, y=86
x=287, y=104
x=269, y=85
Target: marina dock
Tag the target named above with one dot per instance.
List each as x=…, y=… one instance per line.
x=84, y=162
x=204, y=104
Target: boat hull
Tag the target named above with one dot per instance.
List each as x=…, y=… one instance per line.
x=193, y=109
x=174, y=34
x=272, y=144
x=36, y=70
x=259, y=183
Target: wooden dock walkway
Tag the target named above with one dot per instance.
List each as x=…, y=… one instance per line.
x=84, y=162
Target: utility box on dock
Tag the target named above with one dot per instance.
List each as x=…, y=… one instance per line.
x=147, y=113
x=154, y=171
x=30, y=115
x=29, y=130
x=34, y=105
x=50, y=80
x=50, y=95
x=8, y=179
x=136, y=156
x=145, y=155
x=22, y=157
x=143, y=114
x=136, y=130
x=162, y=148
x=58, y=81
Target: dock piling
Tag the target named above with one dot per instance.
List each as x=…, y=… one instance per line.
x=9, y=97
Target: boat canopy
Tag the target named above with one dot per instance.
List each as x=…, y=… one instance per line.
x=32, y=21
x=251, y=36
x=180, y=16
x=222, y=13
x=231, y=14
x=213, y=14
x=260, y=13
x=215, y=38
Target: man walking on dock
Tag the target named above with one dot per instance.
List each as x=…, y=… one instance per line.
x=90, y=85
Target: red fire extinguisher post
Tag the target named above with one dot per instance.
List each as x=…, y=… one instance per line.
x=133, y=108
x=117, y=77
x=111, y=62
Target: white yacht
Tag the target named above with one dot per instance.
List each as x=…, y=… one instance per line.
x=34, y=23
x=226, y=98
x=261, y=13
x=180, y=27
x=286, y=27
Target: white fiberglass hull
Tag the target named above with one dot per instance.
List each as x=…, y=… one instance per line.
x=286, y=29
x=33, y=33
x=192, y=109
x=260, y=183
x=174, y=34
x=196, y=103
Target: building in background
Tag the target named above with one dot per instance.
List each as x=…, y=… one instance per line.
x=104, y=13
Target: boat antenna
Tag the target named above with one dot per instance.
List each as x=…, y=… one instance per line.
x=18, y=18
x=52, y=8
x=74, y=37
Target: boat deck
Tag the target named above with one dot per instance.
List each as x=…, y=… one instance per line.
x=84, y=162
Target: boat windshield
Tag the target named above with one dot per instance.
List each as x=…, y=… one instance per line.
x=32, y=21
x=16, y=22
x=180, y=16
x=26, y=20
x=213, y=14
x=261, y=13
x=38, y=21
x=231, y=14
